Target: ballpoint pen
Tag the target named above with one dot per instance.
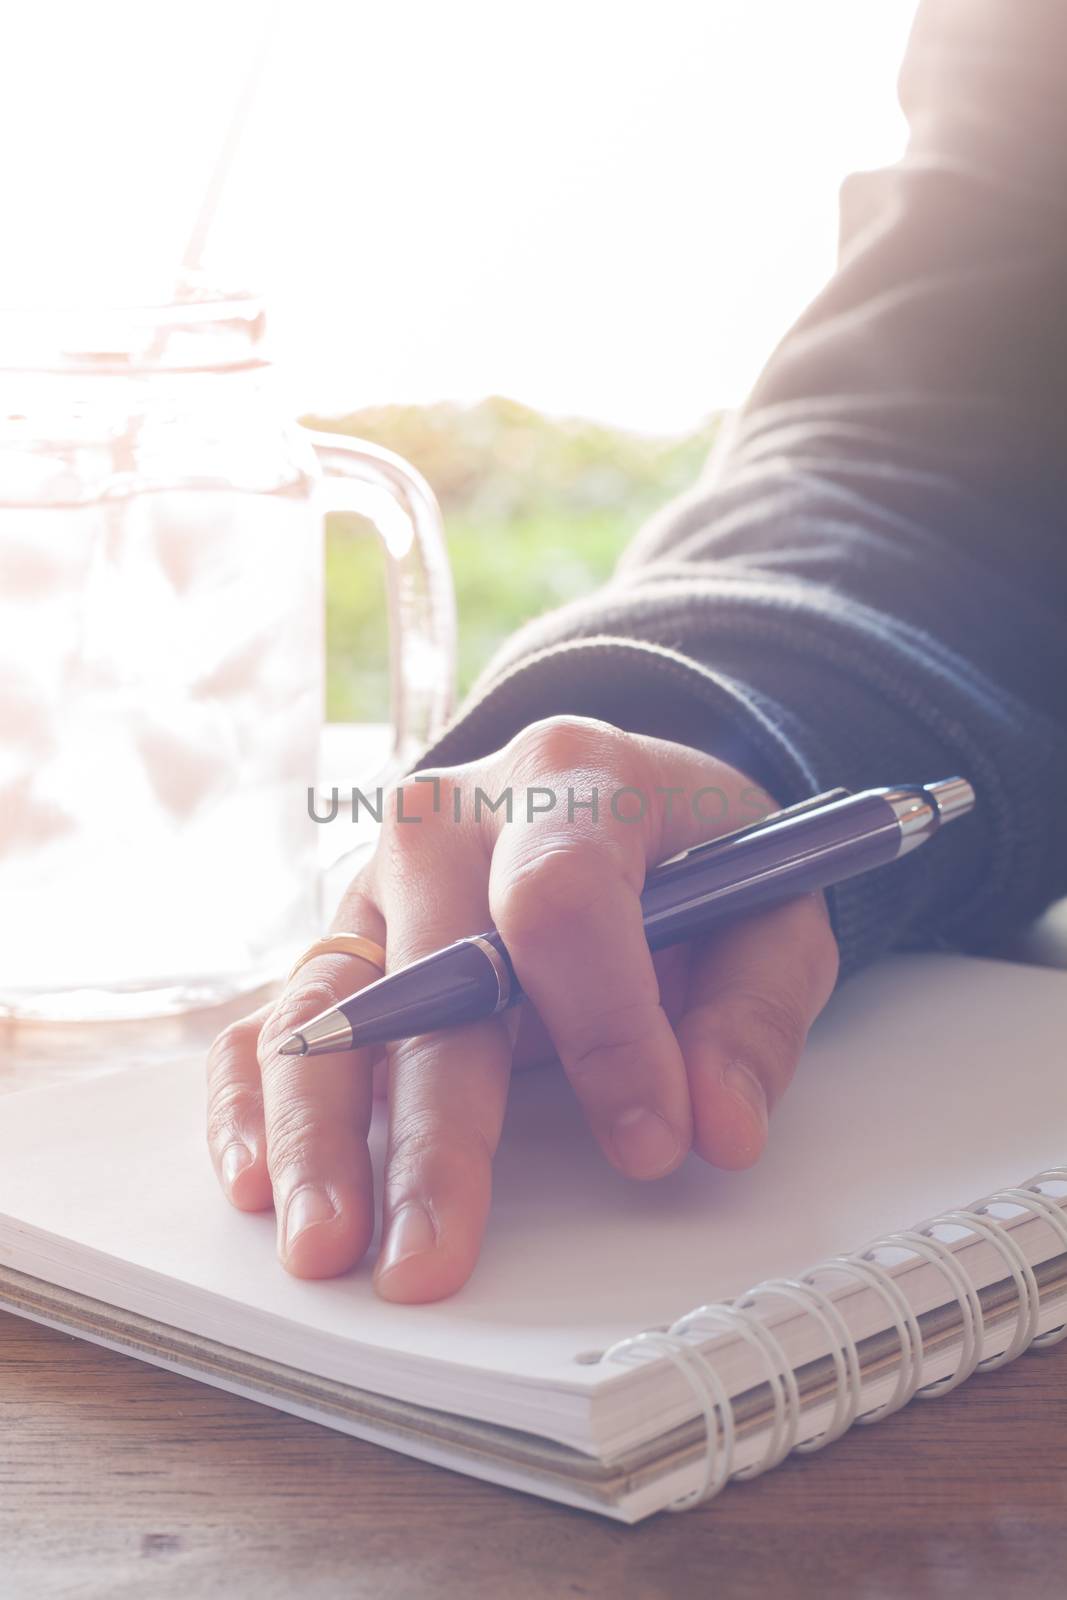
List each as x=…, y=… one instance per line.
x=808, y=846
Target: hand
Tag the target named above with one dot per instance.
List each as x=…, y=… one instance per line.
x=691, y=1048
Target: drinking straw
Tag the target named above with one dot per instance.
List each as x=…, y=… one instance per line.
x=193, y=256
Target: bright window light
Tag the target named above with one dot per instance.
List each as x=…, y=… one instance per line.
x=610, y=208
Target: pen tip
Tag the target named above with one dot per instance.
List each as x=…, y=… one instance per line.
x=293, y=1046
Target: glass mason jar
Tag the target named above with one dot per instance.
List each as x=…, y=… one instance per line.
x=162, y=654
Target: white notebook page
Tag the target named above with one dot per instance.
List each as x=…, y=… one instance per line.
x=930, y=1081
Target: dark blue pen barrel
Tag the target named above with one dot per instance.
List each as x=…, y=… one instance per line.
x=725, y=877
x=454, y=985
x=784, y=860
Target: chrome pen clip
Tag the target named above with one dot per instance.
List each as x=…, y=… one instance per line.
x=814, y=803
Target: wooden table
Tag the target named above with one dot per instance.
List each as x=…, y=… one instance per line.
x=118, y=1480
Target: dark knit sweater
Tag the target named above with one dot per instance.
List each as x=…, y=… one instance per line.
x=869, y=585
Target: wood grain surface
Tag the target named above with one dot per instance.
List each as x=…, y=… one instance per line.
x=119, y=1480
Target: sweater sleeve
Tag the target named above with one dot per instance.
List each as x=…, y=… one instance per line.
x=869, y=583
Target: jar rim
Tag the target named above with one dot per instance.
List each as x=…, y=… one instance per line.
x=204, y=330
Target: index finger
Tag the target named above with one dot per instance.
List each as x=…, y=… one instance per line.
x=447, y=1090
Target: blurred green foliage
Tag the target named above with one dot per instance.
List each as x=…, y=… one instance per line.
x=536, y=512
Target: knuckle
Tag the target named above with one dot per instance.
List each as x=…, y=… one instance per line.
x=231, y=1107
x=413, y=815
x=290, y=1140
x=764, y=1027
x=422, y=796
x=554, y=886
x=622, y=1039
x=778, y=1020
x=357, y=904
x=232, y=1043
x=400, y=837
x=420, y=1140
x=227, y=1046
x=564, y=743
x=413, y=1140
x=297, y=1005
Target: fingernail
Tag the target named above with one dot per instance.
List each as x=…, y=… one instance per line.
x=644, y=1144
x=308, y=1207
x=743, y=1084
x=236, y=1158
x=411, y=1233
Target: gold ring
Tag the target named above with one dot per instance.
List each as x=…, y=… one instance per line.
x=341, y=944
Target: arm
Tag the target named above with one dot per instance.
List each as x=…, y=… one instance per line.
x=870, y=584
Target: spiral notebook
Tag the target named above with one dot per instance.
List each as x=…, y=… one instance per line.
x=622, y=1347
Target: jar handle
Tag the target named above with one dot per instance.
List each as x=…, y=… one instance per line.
x=374, y=483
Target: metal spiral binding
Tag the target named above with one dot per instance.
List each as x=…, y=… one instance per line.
x=1039, y=1205
x=680, y=1344
x=780, y=1375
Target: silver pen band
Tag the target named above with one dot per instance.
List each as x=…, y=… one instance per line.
x=920, y=812
x=500, y=968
